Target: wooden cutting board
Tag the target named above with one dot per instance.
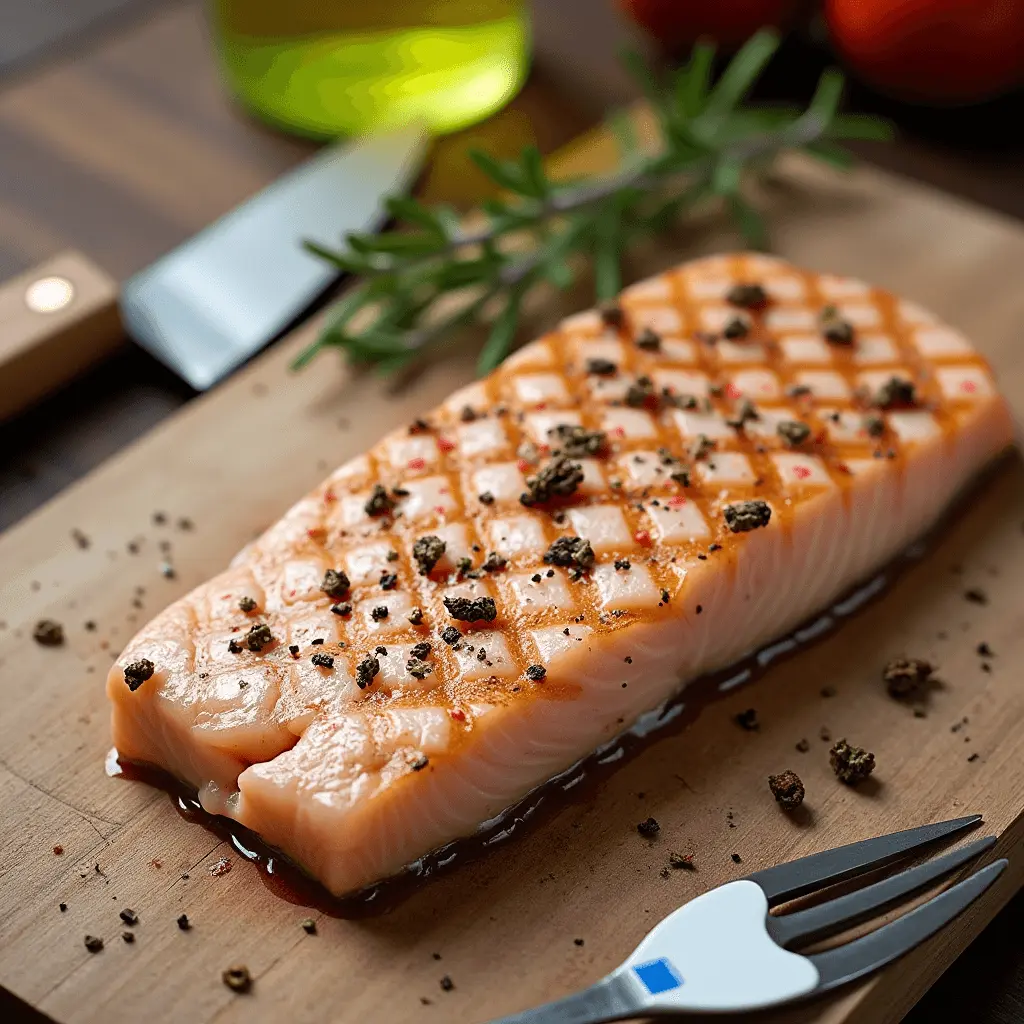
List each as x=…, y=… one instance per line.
x=566, y=898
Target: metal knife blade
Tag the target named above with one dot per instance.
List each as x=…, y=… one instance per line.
x=208, y=305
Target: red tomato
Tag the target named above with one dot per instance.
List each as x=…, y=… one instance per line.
x=940, y=50
x=730, y=22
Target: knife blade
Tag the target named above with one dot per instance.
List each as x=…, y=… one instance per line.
x=207, y=306
x=210, y=304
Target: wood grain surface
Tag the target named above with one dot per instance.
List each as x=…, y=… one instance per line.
x=502, y=928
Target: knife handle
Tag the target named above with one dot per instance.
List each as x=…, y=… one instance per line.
x=55, y=321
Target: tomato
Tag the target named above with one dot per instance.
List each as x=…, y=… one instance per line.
x=937, y=50
x=678, y=22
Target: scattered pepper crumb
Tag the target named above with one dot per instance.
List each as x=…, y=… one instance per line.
x=681, y=862
x=788, y=789
x=129, y=916
x=648, y=828
x=237, y=978
x=850, y=764
x=128, y=937
x=48, y=633
x=748, y=720
x=183, y=922
x=309, y=926
x=736, y=858
x=93, y=943
x=803, y=745
x=447, y=984
x=137, y=673
x=904, y=677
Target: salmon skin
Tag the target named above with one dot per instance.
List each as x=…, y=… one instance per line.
x=641, y=497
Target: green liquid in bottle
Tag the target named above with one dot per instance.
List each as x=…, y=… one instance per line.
x=344, y=67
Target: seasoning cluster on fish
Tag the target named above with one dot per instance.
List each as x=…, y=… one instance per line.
x=642, y=496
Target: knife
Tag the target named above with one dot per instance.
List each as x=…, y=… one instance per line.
x=210, y=304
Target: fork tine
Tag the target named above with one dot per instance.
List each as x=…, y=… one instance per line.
x=799, y=877
x=816, y=922
x=855, y=959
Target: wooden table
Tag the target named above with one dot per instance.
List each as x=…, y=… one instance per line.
x=131, y=146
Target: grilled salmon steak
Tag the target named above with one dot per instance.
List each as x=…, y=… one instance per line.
x=644, y=495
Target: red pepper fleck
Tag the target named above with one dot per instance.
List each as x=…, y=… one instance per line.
x=731, y=391
x=676, y=502
x=801, y=472
x=619, y=431
x=458, y=714
x=417, y=463
x=545, y=449
x=523, y=466
x=445, y=445
x=440, y=509
x=291, y=593
x=819, y=437
x=969, y=386
x=542, y=405
x=843, y=468
x=643, y=538
x=445, y=490
x=329, y=496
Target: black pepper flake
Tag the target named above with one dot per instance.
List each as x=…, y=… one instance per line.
x=787, y=789
x=834, y=327
x=128, y=937
x=308, y=925
x=48, y=633
x=418, y=668
x=559, y=478
x=714, y=547
x=137, y=673
x=335, y=583
x=744, y=516
x=416, y=616
x=80, y=539
x=803, y=745
x=648, y=340
x=258, y=637
x=974, y=757
x=976, y=596
x=736, y=327
x=736, y=858
x=793, y=432
x=797, y=391
x=183, y=922
x=747, y=296
x=366, y=671
x=342, y=609
x=450, y=635
x=640, y=392
x=234, y=647
x=463, y=565
x=419, y=426
x=419, y=762
x=874, y=425
x=745, y=411
x=427, y=552
x=323, y=660
x=447, y=984
x=984, y=650
x=471, y=609
x=380, y=503
x=601, y=367
x=748, y=720
x=93, y=943
x=536, y=673
x=485, y=498
x=622, y=563
x=701, y=447
x=536, y=577
x=576, y=441
x=388, y=580
x=379, y=613
x=381, y=650
x=665, y=596
x=237, y=978
x=63, y=907
x=494, y=562
x=421, y=650
x=129, y=916
x=648, y=828
x=611, y=314
x=850, y=764
x=293, y=649
x=570, y=552
x=246, y=604
x=894, y=393
x=903, y=677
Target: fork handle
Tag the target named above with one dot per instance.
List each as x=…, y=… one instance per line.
x=607, y=1000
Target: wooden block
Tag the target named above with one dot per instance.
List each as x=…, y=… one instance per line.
x=55, y=321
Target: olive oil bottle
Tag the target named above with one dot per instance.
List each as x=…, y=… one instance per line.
x=336, y=67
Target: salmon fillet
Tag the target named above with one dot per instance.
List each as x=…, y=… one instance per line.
x=645, y=495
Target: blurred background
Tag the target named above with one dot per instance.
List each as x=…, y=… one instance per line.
x=128, y=125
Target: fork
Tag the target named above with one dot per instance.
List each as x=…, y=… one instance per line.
x=724, y=953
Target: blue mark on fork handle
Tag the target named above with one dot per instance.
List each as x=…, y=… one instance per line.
x=658, y=976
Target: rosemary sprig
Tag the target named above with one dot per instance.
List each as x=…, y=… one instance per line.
x=711, y=144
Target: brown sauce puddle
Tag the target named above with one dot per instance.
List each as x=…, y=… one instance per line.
x=288, y=881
